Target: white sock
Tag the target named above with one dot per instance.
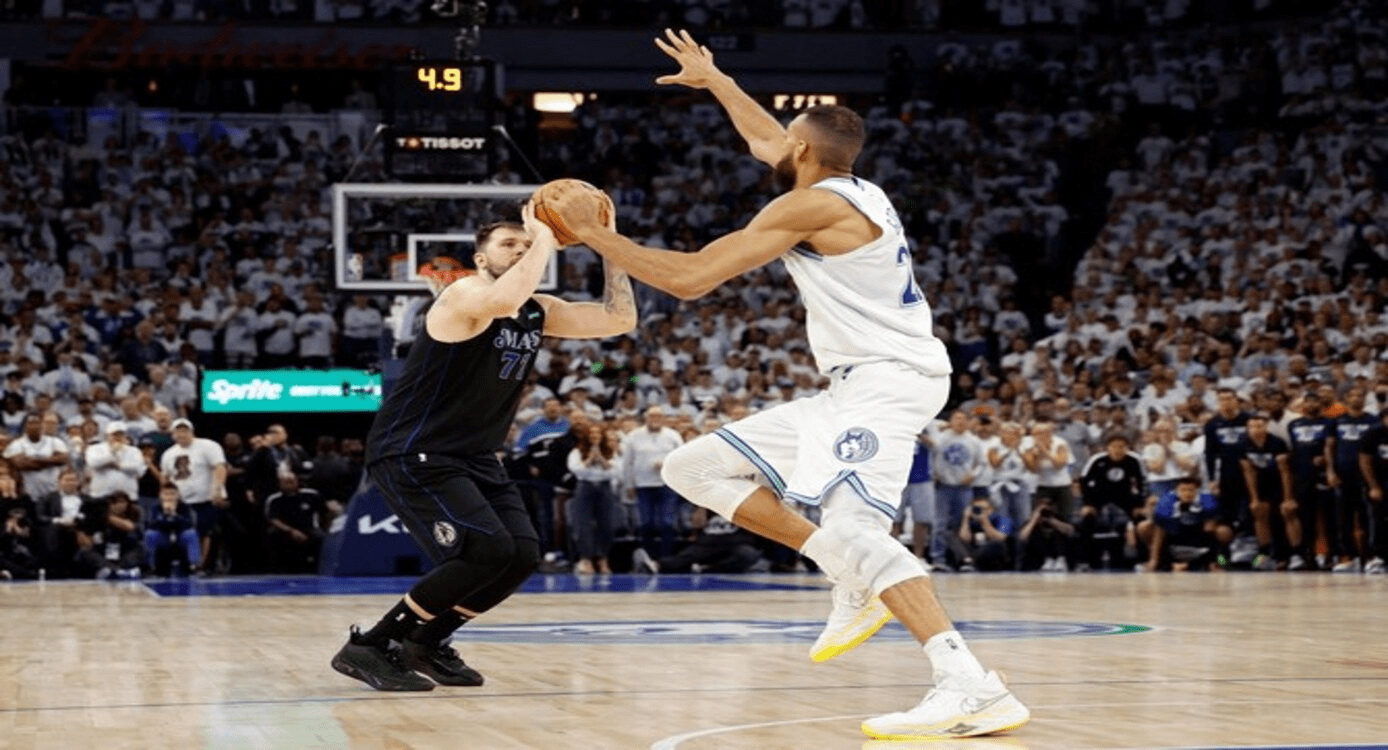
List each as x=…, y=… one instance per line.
x=949, y=655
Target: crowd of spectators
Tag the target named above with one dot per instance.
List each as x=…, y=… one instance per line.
x=1214, y=254
x=146, y=495
x=1112, y=15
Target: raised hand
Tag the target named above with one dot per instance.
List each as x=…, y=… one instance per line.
x=538, y=230
x=697, y=70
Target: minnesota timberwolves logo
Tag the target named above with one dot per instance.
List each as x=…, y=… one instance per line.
x=445, y=534
x=855, y=445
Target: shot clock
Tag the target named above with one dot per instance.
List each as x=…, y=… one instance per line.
x=441, y=117
x=440, y=77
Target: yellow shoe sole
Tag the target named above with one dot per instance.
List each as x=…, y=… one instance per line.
x=901, y=737
x=839, y=649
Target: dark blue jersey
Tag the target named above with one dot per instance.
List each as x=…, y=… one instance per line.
x=1308, y=436
x=1223, y=445
x=1375, y=446
x=459, y=398
x=1349, y=430
x=1264, y=460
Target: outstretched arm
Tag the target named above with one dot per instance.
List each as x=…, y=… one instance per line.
x=764, y=135
x=782, y=224
x=615, y=315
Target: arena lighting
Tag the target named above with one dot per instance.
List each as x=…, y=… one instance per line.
x=562, y=102
x=783, y=102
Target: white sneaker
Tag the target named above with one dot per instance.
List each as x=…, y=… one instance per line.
x=641, y=562
x=1348, y=566
x=954, y=709
x=1375, y=567
x=1243, y=550
x=856, y=616
x=1296, y=563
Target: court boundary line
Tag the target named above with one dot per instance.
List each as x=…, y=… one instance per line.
x=365, y=696
x=673, y=742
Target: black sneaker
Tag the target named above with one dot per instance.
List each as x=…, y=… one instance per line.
x=378, y=667
x=440, y=663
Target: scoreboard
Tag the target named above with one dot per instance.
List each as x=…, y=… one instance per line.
x=441, y=115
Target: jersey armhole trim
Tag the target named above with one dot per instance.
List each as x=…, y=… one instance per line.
x=852, y=201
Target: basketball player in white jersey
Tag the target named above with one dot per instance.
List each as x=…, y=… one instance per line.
x=848, y=449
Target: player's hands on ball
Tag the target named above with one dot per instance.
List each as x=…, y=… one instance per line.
x=540, y=233
x=697, y=70
x=576, y=207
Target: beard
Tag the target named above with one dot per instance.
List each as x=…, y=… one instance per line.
x=783, y=174
x=496, y=269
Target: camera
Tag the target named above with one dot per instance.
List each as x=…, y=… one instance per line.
x=1047, y=512
x=978, y=510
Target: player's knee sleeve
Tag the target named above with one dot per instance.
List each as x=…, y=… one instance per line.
x=523, y=563
x=710, y=473
x=865, y=553
x=442, y=586
x=488, y=554
x=526, y=560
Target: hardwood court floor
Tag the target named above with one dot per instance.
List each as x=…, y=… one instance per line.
x=1231, y=660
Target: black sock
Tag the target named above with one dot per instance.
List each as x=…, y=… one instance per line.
x=434, y=631
x=396, y=624
x=1265, y=549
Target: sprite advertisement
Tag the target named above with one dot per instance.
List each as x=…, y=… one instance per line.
x=247, y=391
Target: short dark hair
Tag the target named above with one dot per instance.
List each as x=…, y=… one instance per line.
x=486, y=232
x=843, y=131
x=1188, y=480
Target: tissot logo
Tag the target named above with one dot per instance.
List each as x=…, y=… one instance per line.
x=440, y=143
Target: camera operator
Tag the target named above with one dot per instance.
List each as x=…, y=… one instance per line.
x=984, y=539
x=1045, y=539
x=17, y=561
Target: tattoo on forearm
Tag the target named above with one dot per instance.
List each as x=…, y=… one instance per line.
x=617, y=297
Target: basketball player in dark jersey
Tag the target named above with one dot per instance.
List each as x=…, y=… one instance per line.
x=432, y=451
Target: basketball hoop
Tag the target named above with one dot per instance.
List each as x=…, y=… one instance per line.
x=442, y=271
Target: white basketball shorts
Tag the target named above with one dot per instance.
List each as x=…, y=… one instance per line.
x=854, y=440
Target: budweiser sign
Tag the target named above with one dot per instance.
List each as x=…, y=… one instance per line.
x=114, y=45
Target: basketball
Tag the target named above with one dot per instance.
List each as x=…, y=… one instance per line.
x=552, y=218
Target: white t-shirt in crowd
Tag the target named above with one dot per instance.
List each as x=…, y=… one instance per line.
x=40, y=482
x=114, y=471
x=190, y=469
x=315, y=331
x=1048, y=472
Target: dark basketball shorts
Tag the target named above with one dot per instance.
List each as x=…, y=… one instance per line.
x=443, y=499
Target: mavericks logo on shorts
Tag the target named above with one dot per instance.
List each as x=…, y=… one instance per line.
x=445, y=534
x=855, y=444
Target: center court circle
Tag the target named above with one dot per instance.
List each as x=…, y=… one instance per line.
x=764, y=631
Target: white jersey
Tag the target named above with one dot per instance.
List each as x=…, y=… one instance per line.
x=865, y=305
